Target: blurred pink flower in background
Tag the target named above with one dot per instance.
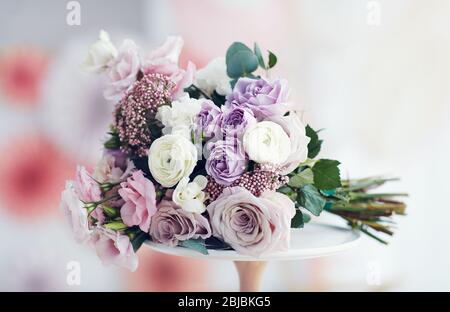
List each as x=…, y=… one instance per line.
x=22, y=70
x=160, y=272
x=33, y=174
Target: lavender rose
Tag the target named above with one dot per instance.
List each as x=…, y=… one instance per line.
x=252, y=225
x=263, y=97
x=208, y=120
x=227, y=161
x=236, y=120
x=172, y=224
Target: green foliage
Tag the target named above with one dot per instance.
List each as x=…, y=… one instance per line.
x=195, y=244
x=139, y=240
x=116, y=226
x=272, y=59
x=310, y=198
x=113, y=142
x=297, y=220
x=314, y=144
x=240, y=60
x=110, y=212
x=326, y=174
x=302, y=178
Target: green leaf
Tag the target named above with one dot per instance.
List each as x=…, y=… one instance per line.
x=284, y=190
x=259, y=56
x=310, y=199
x=240, y=60
x=218, y=99
x=328, y=206
x=116, y=226
x=314, y=144
x=328, y=193
x=301, y=179
x=233, y=83
x=297, y=220
x=272, y=59
x=113, y=142
x=195, y=244
x=139, y=240
x=306, y=218
x=326, y=174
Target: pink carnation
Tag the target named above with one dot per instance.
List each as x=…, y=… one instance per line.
x=123, y=71
x=87, y=189
x=75, y=213
x=114, y=248
x=140, y=201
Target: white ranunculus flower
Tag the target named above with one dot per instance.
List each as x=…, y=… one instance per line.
x=171, y=158
x=296, y=131
x=179, y=115
x=100, y=54
x=214, y=77
x=189, y=195
x=267, y=143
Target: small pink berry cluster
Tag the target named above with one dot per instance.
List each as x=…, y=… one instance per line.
x=137, y=110
x=262, y=178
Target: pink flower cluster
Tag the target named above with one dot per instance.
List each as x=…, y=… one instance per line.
x=137, y=109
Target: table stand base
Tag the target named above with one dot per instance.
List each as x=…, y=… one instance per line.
x=250, y=274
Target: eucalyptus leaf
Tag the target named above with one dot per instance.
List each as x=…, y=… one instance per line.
x=326, y=174
x=195, y=244
x=328, y=193
x=240, y=60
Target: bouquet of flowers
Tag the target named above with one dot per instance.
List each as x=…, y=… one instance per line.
x=215, y=158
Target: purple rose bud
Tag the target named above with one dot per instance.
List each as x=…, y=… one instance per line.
x=227, y=161
x=236, y=120
x=262, y=97
x=208, y=120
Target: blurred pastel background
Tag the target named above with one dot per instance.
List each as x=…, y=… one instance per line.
x=374, y=74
